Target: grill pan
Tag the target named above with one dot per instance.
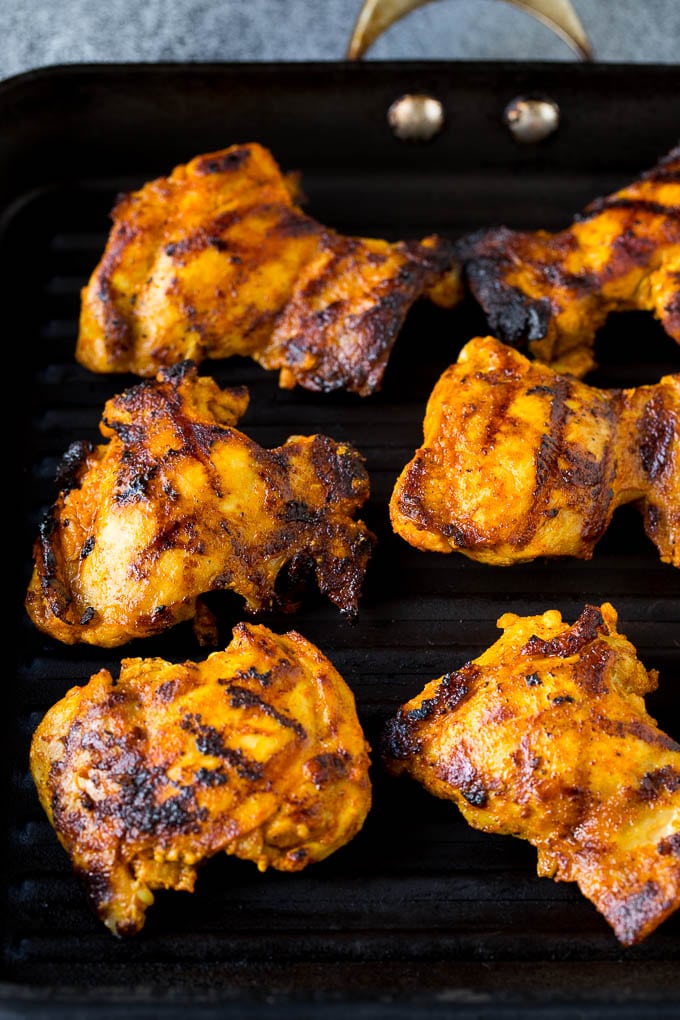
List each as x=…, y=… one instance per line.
x=420, y=915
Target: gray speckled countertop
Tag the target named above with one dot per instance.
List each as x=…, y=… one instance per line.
x=37, y=33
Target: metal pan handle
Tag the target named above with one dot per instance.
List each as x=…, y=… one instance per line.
x=376, y=16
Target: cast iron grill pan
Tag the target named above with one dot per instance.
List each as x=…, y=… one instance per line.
x=419, y=903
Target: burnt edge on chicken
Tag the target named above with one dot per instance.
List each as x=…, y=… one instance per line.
x=323, y=308
x=637, y=463
x=312, y=540
x=257, y=751
x=532, y=684
x=488, y=255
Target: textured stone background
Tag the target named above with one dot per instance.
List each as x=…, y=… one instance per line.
x=36, y=33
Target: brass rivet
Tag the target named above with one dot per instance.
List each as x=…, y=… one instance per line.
x=531, y=120
x=416, y=117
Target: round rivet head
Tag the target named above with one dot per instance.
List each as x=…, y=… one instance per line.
x=531, y=120
x=416, y=117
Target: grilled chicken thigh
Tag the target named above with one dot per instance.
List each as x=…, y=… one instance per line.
x=179, y=503
x=518, y=461
x=219, y=259
x=256, y=751
x=554, y=291
x=546, y=737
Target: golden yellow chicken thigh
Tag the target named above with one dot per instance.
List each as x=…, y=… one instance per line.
x=218, y=259
x=518, y=461
x=553, y=292
x=546, y=737
x=179, y=503
x=257, y=751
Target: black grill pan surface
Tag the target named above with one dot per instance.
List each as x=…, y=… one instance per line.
x=420, y=915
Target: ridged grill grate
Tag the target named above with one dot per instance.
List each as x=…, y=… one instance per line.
x=418, y=893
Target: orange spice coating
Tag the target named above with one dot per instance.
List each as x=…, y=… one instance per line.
x=179, y=503
x=257, y=751
x=553, y=291
x=518, y=461
x=546, y=737
x=218, y=259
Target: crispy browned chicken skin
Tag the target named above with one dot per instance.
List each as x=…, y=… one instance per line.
x=554, y=291
x=518, y=461
x=256, y=751
x=218, y=259
x=179, y=503
x=546, y=737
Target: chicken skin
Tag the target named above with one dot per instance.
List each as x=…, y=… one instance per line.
x=218, y=259
x=519, y=461
x=546, y=737
x=553, y=292
x=257, y=751
x=179, y=503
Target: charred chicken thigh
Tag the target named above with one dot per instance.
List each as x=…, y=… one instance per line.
x=218, y=259
x=518, y=461
x=546, y=737
x=257, y=751
x=179, y=503
x=553, y=292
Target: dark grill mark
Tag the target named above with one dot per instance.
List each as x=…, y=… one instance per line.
x=343, y=475
x=424, y=710
x=252, y=674
x=209, y=742
x=456, y=686
x=550, y=447
x=642, y=205
x=411, y=503
x=503, y=398
x=296, y=510
x=399, y=738
x=656, y=436
x=231, y=160
x=645, y=732
x=452, y=689
x=166, y=692
x=293, y=223
x=137, y=807
x=164, y=403
x=589, y=624
x=461, y=537
x=327, y=768
x=137, y=487
x=310, y=338
x=660, y=780
x=211, y=777
x=462, y=775
x=593, y=667
x=242, y=697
